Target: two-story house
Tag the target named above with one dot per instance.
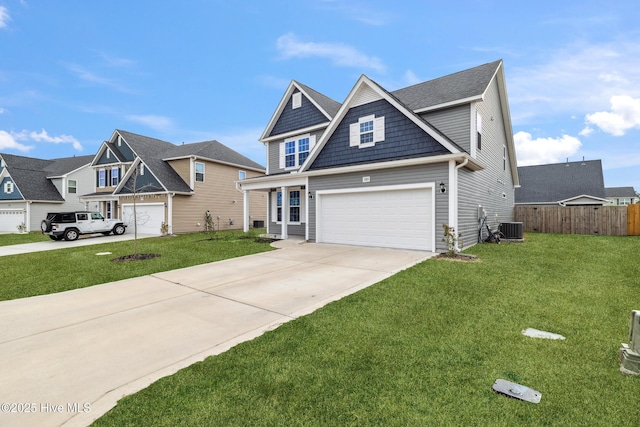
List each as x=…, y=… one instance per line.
x=388, y=169
x=31, y=187
x=174, y=185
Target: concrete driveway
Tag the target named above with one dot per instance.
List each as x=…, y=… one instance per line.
x=49, y=245
x=67, y=358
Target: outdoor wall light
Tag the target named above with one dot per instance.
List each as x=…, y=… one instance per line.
x=443, y=189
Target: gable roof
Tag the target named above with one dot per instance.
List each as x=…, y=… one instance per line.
x=325, y=105
x=553, y=183
x=211, y=150
x=31, y=175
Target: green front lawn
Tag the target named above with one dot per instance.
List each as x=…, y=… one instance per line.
x=60, y=270
x=425, y=346
x=18, y=239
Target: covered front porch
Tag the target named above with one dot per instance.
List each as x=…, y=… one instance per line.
x=287, y=213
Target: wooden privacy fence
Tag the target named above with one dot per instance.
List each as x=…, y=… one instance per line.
x=602, y=220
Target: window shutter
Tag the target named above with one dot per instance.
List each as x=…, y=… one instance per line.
x=296, y=101
x=354, y=134
x=282, y=163
x=312, y=142
x=378, y=129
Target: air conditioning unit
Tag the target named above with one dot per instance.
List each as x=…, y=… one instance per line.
x=512, y=230
x=629, y=354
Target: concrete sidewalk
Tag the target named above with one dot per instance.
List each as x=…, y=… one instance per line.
x=72, y=355
x=50, y=245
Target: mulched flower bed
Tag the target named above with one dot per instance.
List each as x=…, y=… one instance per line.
x=457, y=257
x=136, y=257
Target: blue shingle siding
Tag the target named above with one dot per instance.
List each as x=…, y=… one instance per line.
x=144, y=183
x=304, y=116
x=14, y=195
x=403, y=139
x=103, y=160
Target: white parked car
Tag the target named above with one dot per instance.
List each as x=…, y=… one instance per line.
x=70, y=225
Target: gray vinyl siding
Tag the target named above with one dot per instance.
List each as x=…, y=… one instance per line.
x=14, y=195
x=486, y=187
x=396, y=176
x=454, y=122
x=273, y=153
x=291, y=119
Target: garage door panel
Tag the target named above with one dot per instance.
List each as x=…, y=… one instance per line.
x=399, y=218
x=150, y=218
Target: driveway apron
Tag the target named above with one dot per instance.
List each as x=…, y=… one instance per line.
x=66, y=358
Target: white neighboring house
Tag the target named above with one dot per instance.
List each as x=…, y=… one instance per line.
x=31, y=187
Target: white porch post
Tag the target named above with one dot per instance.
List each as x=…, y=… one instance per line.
x=245, y=195
x=285, y=213
x=453, y=195
x=170, y=213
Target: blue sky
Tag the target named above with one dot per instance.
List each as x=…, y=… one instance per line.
x=73, y=71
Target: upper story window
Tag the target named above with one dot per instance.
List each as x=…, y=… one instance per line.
x=242, y=175
x=102, y=178
x=8, y=187
x=296, y=100
x=115, y=177
x=504, y=157
x=199, y=172
x=72, y=186
x=294, y=152
x=366, y=131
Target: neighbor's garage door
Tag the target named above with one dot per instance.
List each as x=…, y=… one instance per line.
x=10, y=219
x=150, y=217
x=388, y=217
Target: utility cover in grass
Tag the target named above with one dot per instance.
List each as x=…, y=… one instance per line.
x=535, y=333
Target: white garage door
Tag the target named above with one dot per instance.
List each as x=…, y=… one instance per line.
x=150, y=217
x=10, y=219
x=388, y=217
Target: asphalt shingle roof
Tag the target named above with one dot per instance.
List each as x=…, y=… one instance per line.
x=461, y=85
x=31, y=175
x=555, y=182
x=620, y=192
x=330, y=106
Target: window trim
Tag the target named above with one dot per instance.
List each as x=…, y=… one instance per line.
x=73, y=187
x=356, y=132
x=102, y=178
x=478, y=131
x=301, y=206
x=296, y=150
x=117, y=176
x=8, y=187
x=242, y=175
x=195, y=171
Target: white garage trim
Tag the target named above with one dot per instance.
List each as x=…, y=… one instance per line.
x=428, y=233
x=152, y=224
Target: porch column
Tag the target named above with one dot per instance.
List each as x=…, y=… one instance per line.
x=170, y=213
x=245, y=195
x=285, y=213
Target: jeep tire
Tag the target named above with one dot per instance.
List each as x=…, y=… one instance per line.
x=119, y=229
x=45, y=226
x=71, y=234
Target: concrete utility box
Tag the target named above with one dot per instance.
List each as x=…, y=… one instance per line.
x=629, y=354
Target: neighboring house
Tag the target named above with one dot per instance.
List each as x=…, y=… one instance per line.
x=30, y=187
x=566, y=184
x=620, y=196
x=387, y=168
x=174, y=184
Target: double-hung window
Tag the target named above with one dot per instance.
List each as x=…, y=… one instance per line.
x=294, y=152
x=115, y=177
x=366, y=131
x=295, y=206
x=102, y=178
x=199, y=172
x=72, y=186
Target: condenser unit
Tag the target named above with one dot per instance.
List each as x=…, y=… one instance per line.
x=630, y=353
x=512, y=230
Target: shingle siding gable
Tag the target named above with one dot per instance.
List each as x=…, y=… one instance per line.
x=304, y=116
x=403, y=139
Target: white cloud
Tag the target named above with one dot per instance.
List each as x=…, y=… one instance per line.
x=2, y=111
x=4, y=17
x=159, y=123
x=8, y=142
x=624, y=115
x=577, y=79
x=338, y=53
x=88, y=76
x=62, y=139
x=544, y=150
x=411, y=78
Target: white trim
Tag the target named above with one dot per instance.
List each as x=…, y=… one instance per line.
x=452, y=194
x=195, y=171
x=308, y=129
x=415, y=186
x=296, y=100
x=207, y=159
x=450, y=104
